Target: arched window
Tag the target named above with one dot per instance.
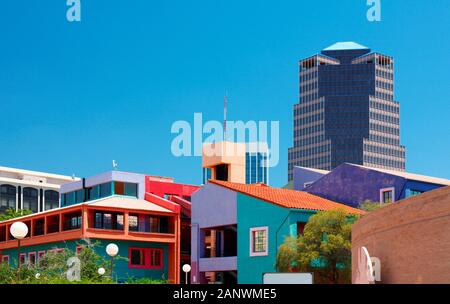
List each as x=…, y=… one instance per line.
x=30, y=199
x=7, y=197
x=51, y=199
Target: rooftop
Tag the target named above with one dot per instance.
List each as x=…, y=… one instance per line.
x=410, y=176
x=110, y=202
x=313, y=170
x=21, y=172
x=286, y=198
x=340, y=46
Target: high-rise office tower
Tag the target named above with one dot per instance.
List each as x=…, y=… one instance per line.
x=346, y=111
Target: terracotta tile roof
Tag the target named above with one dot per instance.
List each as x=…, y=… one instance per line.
x=287, y=198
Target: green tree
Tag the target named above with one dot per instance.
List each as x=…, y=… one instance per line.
x=370, y=206
x=12, y=213
x=324, y=248
x=52, y=268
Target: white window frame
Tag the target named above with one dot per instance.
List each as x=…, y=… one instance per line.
x=264, y=253
x=391, y=189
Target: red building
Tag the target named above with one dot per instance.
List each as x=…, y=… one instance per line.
x=181, y=195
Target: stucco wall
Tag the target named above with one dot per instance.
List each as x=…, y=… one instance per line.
x=411, y=238
x=282, y=222
x=351, y=185
x=212, y=206
x=105, y=177
x=302, y=176
x=121, y=269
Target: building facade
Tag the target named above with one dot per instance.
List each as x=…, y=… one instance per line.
x=346, y=111
x=146, y=216
x=352, y=184
x=25, y=189
x=248, y=163
x=410, y=240
x=147, y=234
x=238, y=228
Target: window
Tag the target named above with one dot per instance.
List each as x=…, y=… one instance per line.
x=155, y=258
x=79, y=196
x=72, y=221
x=411, y=192
x=151, y=258
x=94, y=192
x=41, y=255
x=137, y=257
x=148, y=223
x=68, y=199
x=128, y=189
x=51, y=199
x=30, y=199
x=133, y=222
x=259, y=241
x=32, y=258
x=387, y=195
x=105, y=190
x=5, y=259
x=7, y=197
x=23, y=258
x=300, y=228
x=79, y=248
x=111, y=221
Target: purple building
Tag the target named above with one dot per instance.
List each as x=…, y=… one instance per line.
x=352, y=184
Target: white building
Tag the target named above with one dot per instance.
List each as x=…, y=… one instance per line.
x=24, y=189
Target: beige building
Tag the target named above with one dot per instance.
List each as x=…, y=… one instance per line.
x=245, y=163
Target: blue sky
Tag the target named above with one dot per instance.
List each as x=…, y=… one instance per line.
x=74, y=96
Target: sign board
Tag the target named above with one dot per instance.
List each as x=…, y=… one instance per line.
x=287, y=278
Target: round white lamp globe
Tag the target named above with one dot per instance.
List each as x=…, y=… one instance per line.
x=112, y=250
x=101, y=271
x=186, y=268
x=19, y=230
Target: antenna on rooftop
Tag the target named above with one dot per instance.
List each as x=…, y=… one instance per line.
x=225, y=116
x=114, y=164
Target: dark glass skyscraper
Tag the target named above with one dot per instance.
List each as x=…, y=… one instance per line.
x=346, y=111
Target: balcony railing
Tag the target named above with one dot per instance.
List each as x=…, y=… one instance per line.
x=148, y=229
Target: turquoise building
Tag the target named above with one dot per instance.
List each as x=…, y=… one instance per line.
x=238, y=228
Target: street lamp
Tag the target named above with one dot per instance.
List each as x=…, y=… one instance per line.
x=18, y=230
x=186, y=268
x=112, y=250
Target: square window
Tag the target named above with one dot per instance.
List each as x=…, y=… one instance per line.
x=259, y=241
x=137, y=257
x=78, y=249
x=387, y=195
x=23, y=258
x=32, y=258
x=145, y=258
x=155, y=258
x=41, y=255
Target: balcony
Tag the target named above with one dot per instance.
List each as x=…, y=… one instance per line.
x=218, y=264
